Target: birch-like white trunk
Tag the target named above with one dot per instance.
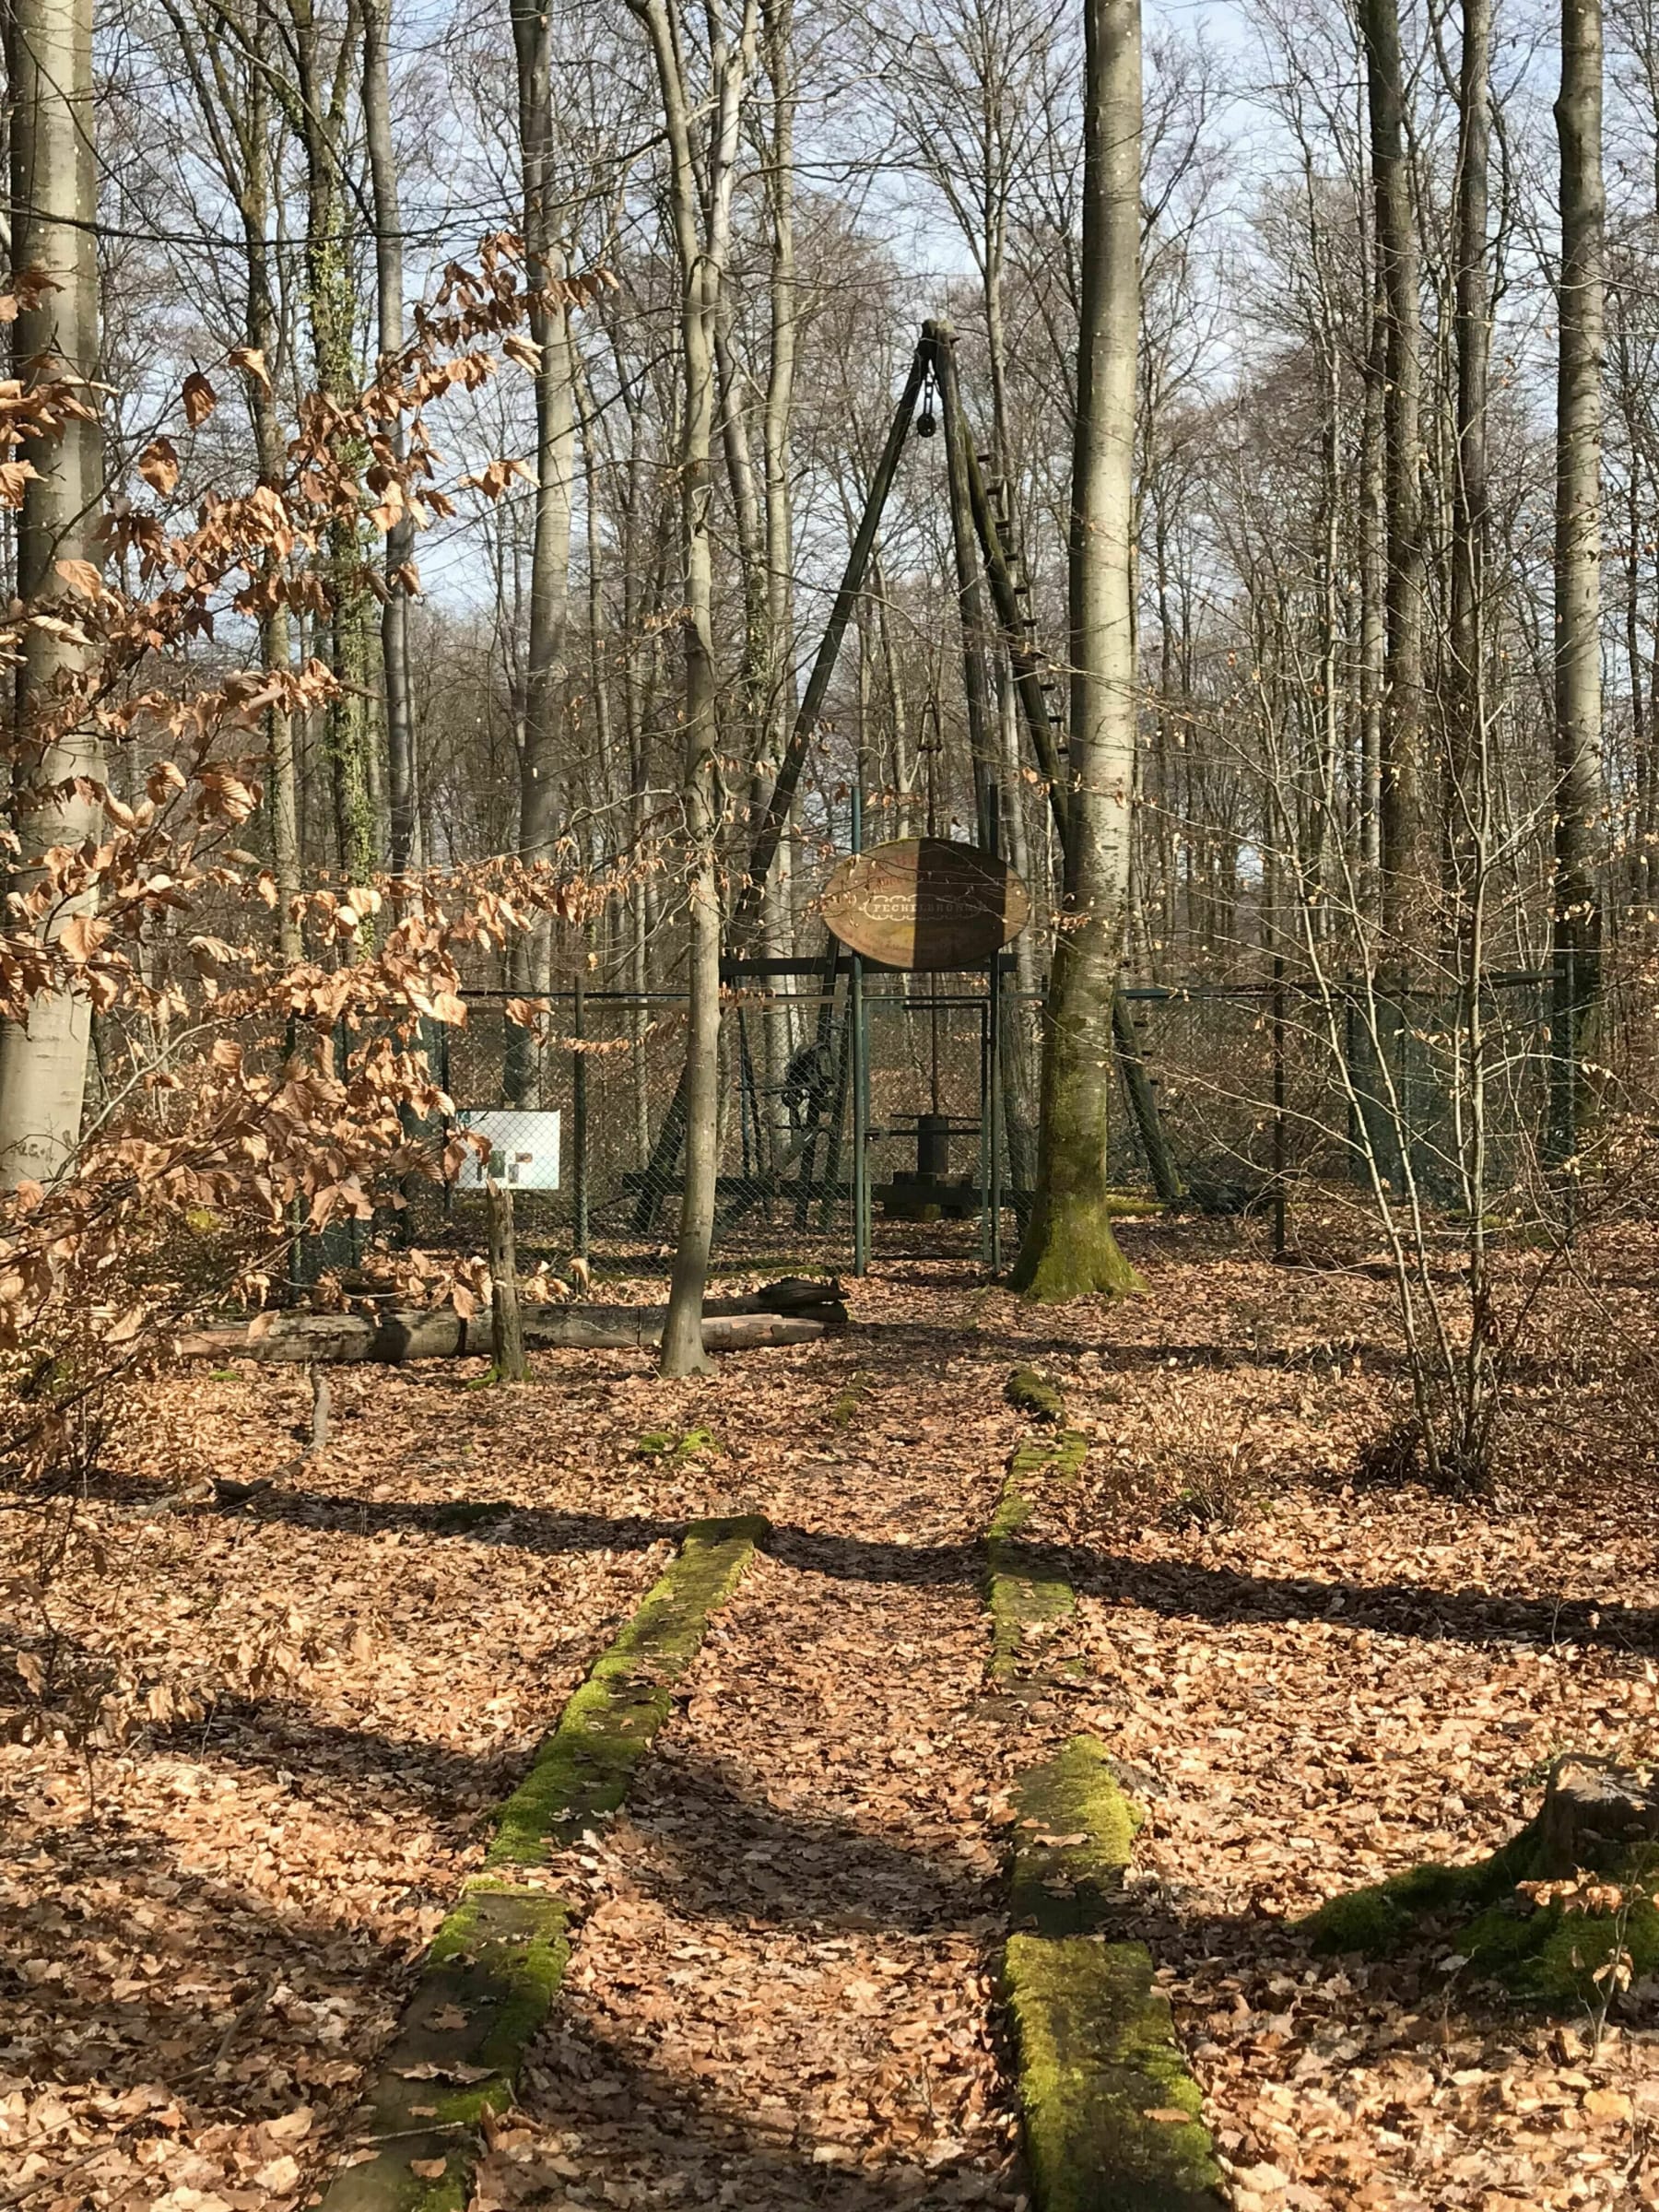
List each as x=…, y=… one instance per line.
x=54, y=205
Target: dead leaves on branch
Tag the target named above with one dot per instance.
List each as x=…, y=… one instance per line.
x=232, y=1101
x=278, y=544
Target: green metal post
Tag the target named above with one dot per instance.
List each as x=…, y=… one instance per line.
x=579, y=1115
x=993, y=1116
x=861, y=1081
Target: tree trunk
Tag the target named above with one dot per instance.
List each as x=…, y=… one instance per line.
x=400, y=538
x=230, y=74
x=1373, y=597
x=1069, y=1247
x=777, y=930
x=54, y=208
x=1396, y=271
x=1470, y=499
x=1576, y=930
x=317, y=115
x=701, y=227
x=506, y=1322
x=554, y=458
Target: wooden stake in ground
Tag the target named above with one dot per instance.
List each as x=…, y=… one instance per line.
x=318, y=1375
x=506, y=1322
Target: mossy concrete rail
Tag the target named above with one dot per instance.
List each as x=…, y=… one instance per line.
x=495, y=1966
x=1029, y=1597
x=1112, y=2116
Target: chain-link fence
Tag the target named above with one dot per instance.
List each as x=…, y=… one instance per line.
x=1258, y=1086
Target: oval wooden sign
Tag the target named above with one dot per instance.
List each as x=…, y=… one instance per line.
x=924, y=902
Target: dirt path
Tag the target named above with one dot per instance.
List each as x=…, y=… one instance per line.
x=782, y=1996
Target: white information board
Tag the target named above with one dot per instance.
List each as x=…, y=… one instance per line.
x=524, y=1151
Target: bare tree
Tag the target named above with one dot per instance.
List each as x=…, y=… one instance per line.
x=1070, y=1247
x=1400, y=319
x=699, y=196
x=1576, y=920
x=555, y=461
x=54, y=339
x=400, y=536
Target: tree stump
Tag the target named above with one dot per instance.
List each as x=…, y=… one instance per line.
x=1593, y=1817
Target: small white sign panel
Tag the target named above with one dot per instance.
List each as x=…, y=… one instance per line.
x=524, y=1149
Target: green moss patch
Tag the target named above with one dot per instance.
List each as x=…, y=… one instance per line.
x=1026, y=1596
x=1035, y=1395
x=850, y=1401
x=670, y=1444
x=1111, y=2115
x=583, y=1770
x=1075, y=1833
x=495, y=1964
x=1543, y=1954
x=1070, y=1251
x=491, y=1978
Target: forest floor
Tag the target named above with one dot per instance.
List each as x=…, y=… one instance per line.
x=782, y=1987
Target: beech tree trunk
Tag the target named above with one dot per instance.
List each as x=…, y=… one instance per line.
x=1576, y=922
x=555, y=461
x=229, y=67
x=702, y=225
x=317, y=104
x=1069, y=1247
x=400, y=538
x=1400, y=316
x=1470, y=496
x=54, y=208
x=777, y=929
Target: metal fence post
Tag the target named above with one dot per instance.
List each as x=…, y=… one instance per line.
x=1280, y=1148
x=994, y=1104
x=578, y=1116
x=861, y=1079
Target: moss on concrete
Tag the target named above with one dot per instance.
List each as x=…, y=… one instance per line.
x=1075, y=1833
x=491, y=1978
x=850, y=1401
x=1035, y=1395
x=1099, y=2078
x=1026, y=1594
x=495, y=1966
x=1056, y=1458
x=1111, y=2115
x=583, y=1770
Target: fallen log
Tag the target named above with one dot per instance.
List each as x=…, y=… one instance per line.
x=441, y=1334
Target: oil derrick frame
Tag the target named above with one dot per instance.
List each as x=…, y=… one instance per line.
x=974, y=523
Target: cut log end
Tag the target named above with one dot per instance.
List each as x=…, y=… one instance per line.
x=1593, y=1816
